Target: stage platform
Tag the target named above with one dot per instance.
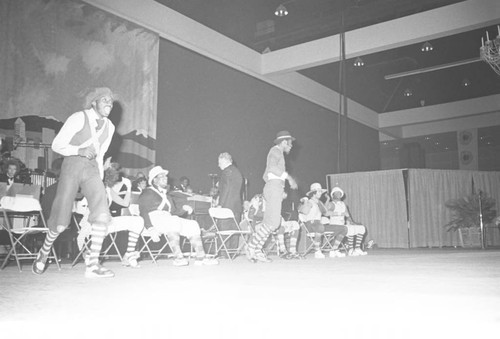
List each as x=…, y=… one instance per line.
x=418, y=293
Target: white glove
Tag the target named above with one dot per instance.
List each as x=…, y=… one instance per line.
x=155, y=235
x=188, y=209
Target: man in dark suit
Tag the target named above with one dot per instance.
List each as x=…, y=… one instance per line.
x=11, y=173
x=230, y=185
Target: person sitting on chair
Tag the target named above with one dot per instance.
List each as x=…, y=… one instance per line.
x=133, y=224
x=255, y=215
x=184, y=185
x=139, y=184
x=339, y=214
x=312, y=210
x=161, y=216
x=11, y=172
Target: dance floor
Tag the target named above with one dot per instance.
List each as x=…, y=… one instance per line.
x=424, y=293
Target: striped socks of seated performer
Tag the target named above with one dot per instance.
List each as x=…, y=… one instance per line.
x=350, y=241
x=293, y=243
x=359, y=239
x=98, y=233
x=281, y=243
x=197, y=244
x=132, y=241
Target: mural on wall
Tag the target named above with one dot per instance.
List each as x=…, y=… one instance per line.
x=52, y=52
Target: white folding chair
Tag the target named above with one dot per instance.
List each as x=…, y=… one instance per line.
x=217, y=214
x=25, y=207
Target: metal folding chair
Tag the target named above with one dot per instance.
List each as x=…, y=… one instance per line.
x=25, y=207
x=327, y=239
x=81, y=207
x=217, y=214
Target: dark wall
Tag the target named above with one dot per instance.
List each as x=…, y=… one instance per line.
x=205, y=108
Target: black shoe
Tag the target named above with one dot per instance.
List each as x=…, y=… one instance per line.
x=40, y=264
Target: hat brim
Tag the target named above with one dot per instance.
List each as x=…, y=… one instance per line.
x=150, y=180
x=322, y=191
x=278, y=140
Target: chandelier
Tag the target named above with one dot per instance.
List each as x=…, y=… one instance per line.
x=489, y=51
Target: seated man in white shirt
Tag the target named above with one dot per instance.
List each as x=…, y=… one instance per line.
x=162, y=216
x=312, y=210
x=339, y=215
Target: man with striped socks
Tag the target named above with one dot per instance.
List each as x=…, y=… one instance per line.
x=83, y=140
x=274, y=175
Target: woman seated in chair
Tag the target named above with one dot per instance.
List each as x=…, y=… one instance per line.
x=312, y=210
x=339, y=215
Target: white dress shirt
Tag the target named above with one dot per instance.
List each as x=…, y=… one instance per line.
x=73, y=125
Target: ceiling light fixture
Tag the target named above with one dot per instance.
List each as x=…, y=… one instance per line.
x=358, y=62
x=466, y=82
x=281, y=11
x=407, y=92
x=490, y=51
x=427, y=47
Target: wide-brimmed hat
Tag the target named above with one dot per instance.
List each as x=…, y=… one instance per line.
x=315, y=188
x=96, y=94
x=283, y=135
x=155, y=171
x=337, y=189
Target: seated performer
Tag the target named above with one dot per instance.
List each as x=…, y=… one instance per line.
x=161, y=216
x=133, y=224
x=312, y=210
x=255, y=215
x=122, y=186
x=339, y=215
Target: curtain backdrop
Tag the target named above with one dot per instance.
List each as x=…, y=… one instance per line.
x=489, y=183
x=377, y=200
x=429, y=190
x=53, y=51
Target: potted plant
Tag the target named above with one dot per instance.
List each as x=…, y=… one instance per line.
x=466, y=217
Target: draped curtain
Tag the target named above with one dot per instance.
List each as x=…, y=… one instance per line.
x=489, y=184
x=429, y=190
x=377, y=200
x=52, y=52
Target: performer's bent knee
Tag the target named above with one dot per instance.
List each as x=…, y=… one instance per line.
x=60, y=228
x=103, y=219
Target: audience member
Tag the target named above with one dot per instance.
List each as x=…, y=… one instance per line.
x=139, y=184
x=10, y=173
x=184, y=185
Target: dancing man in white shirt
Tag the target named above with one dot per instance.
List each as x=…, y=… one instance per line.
x=83, y=140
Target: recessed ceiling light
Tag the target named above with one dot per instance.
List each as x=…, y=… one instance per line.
x=427, y=47
x=358, y=62
x=466, y=82
x=281, y=11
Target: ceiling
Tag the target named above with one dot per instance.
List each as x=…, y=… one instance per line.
x=253, y=24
